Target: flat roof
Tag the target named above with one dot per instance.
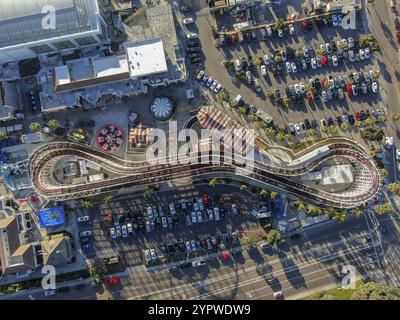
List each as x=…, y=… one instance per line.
x=146, y=57
x=21, y=20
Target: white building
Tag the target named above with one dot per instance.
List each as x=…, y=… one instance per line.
x=78, y=23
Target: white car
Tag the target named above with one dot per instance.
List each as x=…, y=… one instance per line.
x=153, y=254
x=367, y=53
x=200, y=75
x=374, y=87
x=192, y=36
x=335, y=61
x=248, y=77
x=351, y=42
x=267, y=59
x=398, y=154
x=214, y=85
x=198, y=263
x=188, y=21
x=278, y=295
x=302, y=87
x=280, y=33
x=291, y=29
x=113, y=233
x=269, y=31
x=118, y=230
x=297, y=88
x=150, y=214
x=298, y=128
x=210, y=214
x=352, y=56
x=124, y=230
x=292, y=129
x=323, y=48
x=218, y=88
x=314, y=63
x=188, y=247
x=194, y=217
x=86, y=233
x=335, y=20
x=235, y=210
x=294, y=67
x=164, y=222
x=238, y=65
x=49, y=293
x=389, y=142
x=83, y=219
x=199, y=217
x=345, y=118
x=356, y=77
x=288, y=67
x=323, y=123
x=263, y=70
x=328, y=47
x=324, y=96
x=306, y=52
x=216, y=214
x=362, y=54
x=209, y=82
x=344, y=43
x=130, y=228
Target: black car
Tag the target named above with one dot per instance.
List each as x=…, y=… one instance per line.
x=185, y=265
x=352, y=120
x=195, y=60
x=278, y=95
x=317, y=84
x=363, y=115
x=308, y=124
x=339, y=120
x=193, y=44
x=193, y=49
x=193, y=55
x=367, y=114
x=295, y=236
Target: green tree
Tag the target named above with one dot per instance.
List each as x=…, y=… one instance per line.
x=374, y=133
x=340, y=216
x=358, y=212
x=242, y=111
x=289, y=138
x=270, y=132
x=53, y=124
x=384, y=172
x=243, y=187
x=96, y=272
x=300, y=205
x=394, y=188
x=86, y=203
x=271, y=95
x=278, y=59
x=253, y=118
x=280, y=136
x=107, y=199
x=313, y=210
x=3, y=135
x=223, y=96
x=345, y=126
x=274, y=237
x=35, y=127
x=311, y=132
x=383, y=208
x=375, y=291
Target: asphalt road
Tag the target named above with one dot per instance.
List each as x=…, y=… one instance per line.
x=297, y=268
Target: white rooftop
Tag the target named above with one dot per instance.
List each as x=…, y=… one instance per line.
x=111, y=65
x=339, y=174
x=146, y=57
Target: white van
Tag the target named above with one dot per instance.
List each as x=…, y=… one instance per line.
x=238, y=65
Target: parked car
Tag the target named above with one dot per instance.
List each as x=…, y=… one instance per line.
x=83, y=219
x=86, y=233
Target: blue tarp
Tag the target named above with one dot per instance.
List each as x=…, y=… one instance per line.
x=51, y=217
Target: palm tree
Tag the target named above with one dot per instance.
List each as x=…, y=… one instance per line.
x=243, y=187
x=212, y=182
x=253, y=118
x=86, y=203
x=242, y=111
x=35, y=127
x=344, y=126
x=264, y=193
x=274, y=195
x=270, y=132
x=274, y=237
x=311, y=132
x=280, y=136
x=358, y=212
x=107, y=199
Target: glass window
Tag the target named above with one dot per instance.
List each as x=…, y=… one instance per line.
x=64, y=45
x=41, y=49
x=86, y=41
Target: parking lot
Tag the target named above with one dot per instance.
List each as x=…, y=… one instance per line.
x=324, y=106
x=198, y=224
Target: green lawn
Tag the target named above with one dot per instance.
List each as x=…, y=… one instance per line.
x=333, y=294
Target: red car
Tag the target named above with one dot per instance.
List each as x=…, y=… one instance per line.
x=234, y=38
x=358, y=116
x=224, y=256
x=349, y=90
x=310, y=96
x=324, y=60
x=304, y=25
x=112, y=281
x=205, y=199
x=398, y=36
